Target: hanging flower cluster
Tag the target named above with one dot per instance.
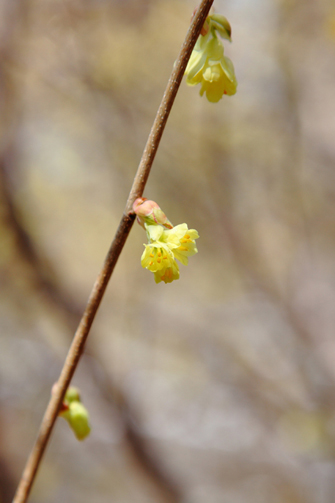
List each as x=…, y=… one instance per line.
x=165, y=242
x=208, y=65
x=75, y=413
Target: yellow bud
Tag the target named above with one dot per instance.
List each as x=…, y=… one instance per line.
x=75, y=413
x=78, y=419
x=72, y=394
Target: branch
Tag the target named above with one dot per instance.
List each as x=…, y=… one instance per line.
x=113, y=254
x=135, y=444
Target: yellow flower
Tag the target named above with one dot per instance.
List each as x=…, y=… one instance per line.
x=158, y=258
x=167, y=275
x=181, y=241
x=165, y=246
x=209, y=67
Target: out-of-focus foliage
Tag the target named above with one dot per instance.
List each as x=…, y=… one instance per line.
x=217, y=388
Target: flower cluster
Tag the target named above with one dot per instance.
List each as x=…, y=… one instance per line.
x=165, y=245
x=208, y=65
x=75, y=414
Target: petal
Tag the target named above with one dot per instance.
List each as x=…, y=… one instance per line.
x=154, y=232
x=202, y=51
x=173, y=236
x=194, y=68
x=185, y=251
x=214, y=50
x=169, y=274
x=156, y=258
x=214, y=91
x=181, y=257
x=228, y=69
x=193, y=233
x=213, y=74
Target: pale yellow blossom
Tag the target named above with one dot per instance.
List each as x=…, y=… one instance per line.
x=209, y=66
x=165, y=246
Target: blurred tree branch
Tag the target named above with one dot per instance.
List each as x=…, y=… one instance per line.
x=257, y=277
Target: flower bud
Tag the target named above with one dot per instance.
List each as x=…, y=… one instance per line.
x=75, y=413
x=72, y=395
x=78, y=419
x=148, y=212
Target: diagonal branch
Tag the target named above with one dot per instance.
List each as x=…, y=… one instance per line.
x=113, y=254
x=114, y=397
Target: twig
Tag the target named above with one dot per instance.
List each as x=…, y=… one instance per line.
x=118, y=403
x=122, y=232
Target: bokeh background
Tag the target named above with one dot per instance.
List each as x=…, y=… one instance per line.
x=219, y=387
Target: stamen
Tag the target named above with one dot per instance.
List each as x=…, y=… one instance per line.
x=182, y=248
x=151, y=255
x=159, y=260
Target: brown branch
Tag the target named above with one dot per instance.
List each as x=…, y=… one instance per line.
x=122, y=232
x=150, y=466
x=25, y=247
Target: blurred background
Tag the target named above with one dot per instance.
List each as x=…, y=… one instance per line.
x=219, y=387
